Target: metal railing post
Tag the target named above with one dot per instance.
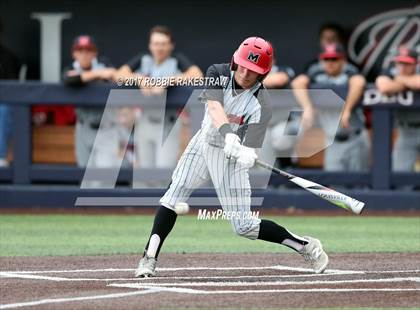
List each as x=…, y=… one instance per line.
x=22, y=144
x=381, y=148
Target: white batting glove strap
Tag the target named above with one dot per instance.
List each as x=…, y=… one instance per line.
x=247, y=157
x=233, y=145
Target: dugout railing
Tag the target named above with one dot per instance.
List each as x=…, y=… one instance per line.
x=26, y=183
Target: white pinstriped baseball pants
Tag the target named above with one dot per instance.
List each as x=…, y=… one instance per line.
x=201, y=161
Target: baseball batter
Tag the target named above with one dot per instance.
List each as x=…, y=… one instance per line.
x=223, y=150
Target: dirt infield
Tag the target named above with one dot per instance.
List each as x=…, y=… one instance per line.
x=209, y=281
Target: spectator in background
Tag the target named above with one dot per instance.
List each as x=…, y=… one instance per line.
x=349, y=152
x=404, y=74
x=279, y=76
x=88, y=68
x=9, y=70
x=329, y=33
x=158, y=62
x=275, y=143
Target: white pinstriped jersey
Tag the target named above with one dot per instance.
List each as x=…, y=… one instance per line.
x=247, y=110
x=248, y=116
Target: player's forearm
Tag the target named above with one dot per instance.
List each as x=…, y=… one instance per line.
x=123, y=72
x=192, y=72
x=303, y=99
x=217, y=113
x=77, y=79
x=356, y=86
x=388, y=86
x=300, y=90
x=276, y=80
x=412, y=82
x=88, y=76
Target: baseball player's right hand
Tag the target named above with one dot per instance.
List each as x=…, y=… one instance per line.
x=345, y=118
x=247, y=157
x=233, y=145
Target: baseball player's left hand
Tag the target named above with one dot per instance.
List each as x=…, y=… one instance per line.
x=247, y=157
x=232, y=145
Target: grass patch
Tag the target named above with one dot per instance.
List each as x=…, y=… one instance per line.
x=39, y=235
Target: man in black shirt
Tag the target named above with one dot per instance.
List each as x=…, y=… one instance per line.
x=349, y=152
x=88, y=68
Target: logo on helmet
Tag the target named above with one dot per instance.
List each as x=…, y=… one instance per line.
x=252, y=57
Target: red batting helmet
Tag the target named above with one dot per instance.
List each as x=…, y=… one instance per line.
x=255, y=54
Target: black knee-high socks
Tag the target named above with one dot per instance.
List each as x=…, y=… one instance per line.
x=270, y=231
x=164, y=222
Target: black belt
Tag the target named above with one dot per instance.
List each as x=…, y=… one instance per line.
x=155, y=119
x=94, y=126
x=159, y=119
x=91, y=125
x=346, y=136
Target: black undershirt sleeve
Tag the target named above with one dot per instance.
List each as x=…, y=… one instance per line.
x=184, y=63
x=75, y=80
x=135, y=62
x=212, y=92
x=255, y=132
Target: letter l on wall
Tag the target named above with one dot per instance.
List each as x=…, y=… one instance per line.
x=50, y=44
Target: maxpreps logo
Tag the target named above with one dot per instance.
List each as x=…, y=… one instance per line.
x=373, y=41
x=252, y=57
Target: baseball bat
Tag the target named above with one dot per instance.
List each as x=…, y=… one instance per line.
x=339, y=199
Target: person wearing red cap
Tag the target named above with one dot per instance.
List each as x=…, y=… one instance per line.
x=402, y=75
x=223, y=150
x=350, y=150
x=87, y=68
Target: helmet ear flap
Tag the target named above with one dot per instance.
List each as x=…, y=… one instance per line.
x=233, y=65
x=261, y=77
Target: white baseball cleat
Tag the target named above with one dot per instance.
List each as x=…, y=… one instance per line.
x=315, y=255
x=146, y=268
